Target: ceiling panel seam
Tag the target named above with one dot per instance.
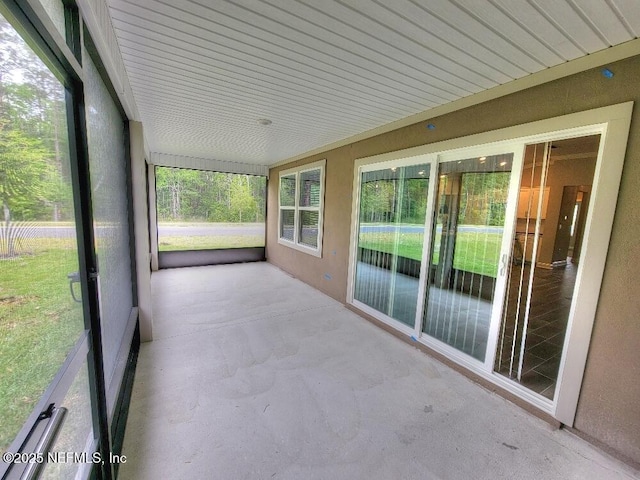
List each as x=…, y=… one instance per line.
x=491, y=63
x=530, y=31
x=396, y=93
x=428, y=63
x=443, y=82
x=430, y=10
x=445, y=89
x=557, y=26
x=616, y=10
x=168, y=88
x=318, y=101
x=497, y=33
x=404, y=34
x=129, y=46
x=196, y=101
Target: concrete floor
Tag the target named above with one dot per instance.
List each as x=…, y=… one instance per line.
x=253, y=374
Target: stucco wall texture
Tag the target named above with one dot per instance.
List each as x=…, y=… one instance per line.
x=608, y=409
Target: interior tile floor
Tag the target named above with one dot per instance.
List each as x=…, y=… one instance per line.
x=253, y=374
x=551, y=298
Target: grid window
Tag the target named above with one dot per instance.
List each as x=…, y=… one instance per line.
x=301, y=195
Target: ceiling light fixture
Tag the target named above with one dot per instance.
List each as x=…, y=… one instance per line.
x=264, y=121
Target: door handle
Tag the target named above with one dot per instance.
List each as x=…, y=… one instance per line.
x=56, y=418
x=74, y=278
x=503, y=264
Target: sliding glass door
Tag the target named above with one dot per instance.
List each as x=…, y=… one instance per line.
x=393, y=206
x=553, y=202
x=45, y=395
x=431, y=248
x=490, y=249
x=468, y=231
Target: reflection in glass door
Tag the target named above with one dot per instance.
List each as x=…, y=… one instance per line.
x=515, y=244
x=552, y=207
x=466, y=243
x=393, y=205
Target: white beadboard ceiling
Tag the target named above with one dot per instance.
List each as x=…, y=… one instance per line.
x=203, y=72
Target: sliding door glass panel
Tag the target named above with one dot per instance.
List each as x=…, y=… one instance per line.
x=393, y=204
x=467, y=236
x=41, y=315
x=108, y=166
x=552, y=207
x=206, y=210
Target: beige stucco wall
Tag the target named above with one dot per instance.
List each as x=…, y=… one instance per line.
x=609, y=410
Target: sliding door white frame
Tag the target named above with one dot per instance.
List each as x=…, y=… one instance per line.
x=612, y=123
x=361, y=168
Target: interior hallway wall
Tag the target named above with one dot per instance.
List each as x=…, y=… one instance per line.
x=608, y=411
x=561, y=174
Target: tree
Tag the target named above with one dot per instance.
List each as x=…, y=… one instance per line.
x=22, y=170
x=377, y=201
x=241, y=199
x=35, y=178
x=194, y=195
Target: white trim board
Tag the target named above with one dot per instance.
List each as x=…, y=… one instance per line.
x=210, y=164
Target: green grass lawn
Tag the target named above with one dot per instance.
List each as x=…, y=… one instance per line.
x=39, y=323
x=212, y=241
x=203, y=242
x=474, y=252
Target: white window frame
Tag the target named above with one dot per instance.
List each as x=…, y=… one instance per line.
x=296, y=208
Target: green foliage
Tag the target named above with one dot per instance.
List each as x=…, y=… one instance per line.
x=394, y=200
x=203, y=196
x=484, y=198
x=377, y=201
x=34, y=160
x=39, y=321
x=241, y=199
x=23, y=173
x=287, y=191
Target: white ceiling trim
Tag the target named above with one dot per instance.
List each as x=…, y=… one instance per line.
x=595, y=60
x=196, y=163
